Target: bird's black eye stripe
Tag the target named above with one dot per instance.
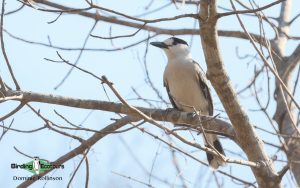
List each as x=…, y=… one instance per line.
x=178, y=41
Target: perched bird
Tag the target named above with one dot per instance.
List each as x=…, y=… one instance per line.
x=187, y=87
x=36, y=165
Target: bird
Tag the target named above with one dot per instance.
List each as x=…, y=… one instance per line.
x=187, y=88
x=36, y=165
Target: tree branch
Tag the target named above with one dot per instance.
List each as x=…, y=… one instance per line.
x=3, y=49
x=157, y=30
x=213, y=124
x=292, y=62
x=83, y=146
x=249, y=11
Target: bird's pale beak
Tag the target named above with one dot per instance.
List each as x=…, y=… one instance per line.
x=159, y=44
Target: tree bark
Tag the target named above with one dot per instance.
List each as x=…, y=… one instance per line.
x=251, y=144
x=284, y=121
x=211, y=124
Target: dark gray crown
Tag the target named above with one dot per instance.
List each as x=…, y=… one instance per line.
x=178, y=41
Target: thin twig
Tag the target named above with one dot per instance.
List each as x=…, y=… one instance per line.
x=22, y=152
x=82, y=147
x=51, y=22
x=3, y=48
x=22, y=131
x=19, y=107
x=196, y=159
x=266, y=62
x=120, y=36
x=87, y=174
x=77, y=59
x=6, y=129
x=79, y=164
x=249, y=11
x=133, y=179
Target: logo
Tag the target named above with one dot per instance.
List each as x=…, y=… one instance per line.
x=37, y=166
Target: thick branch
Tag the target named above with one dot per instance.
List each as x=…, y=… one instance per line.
x=85, y=145
x=292, y=62
x=284, y=119
x=157, y=30
x=284, y=26
x=211, y=124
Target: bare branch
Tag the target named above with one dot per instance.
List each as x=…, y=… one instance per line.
x=22, y=153
x=156, y=30
x=84, y=157
x=22, y=131
x=133, y=179
x=283, y=171
x=294, y=19
x=51, y=22
x=268, y=65
x=78, y=48
x=173, y=116
x=83, y=146
x=94, y=6
x=120, y=36
x=3, y=48
x=78, y=57
x=15, y=11
x=12, y=112
x=292, y=61
x=249, y=11
x=87, y=173
x=196, y=159
x=5, y=129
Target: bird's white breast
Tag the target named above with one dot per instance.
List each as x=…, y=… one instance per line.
x=182, y=80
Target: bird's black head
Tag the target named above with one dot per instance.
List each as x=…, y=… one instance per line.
x=178, y=41
x=36, y=158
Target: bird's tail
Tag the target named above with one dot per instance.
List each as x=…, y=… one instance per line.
x=213, y=160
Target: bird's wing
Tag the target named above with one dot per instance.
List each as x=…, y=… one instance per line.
x=204, y=87
x=169, y=94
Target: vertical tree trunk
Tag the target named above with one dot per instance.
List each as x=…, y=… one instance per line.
x=246, y=137
x=281, y=116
